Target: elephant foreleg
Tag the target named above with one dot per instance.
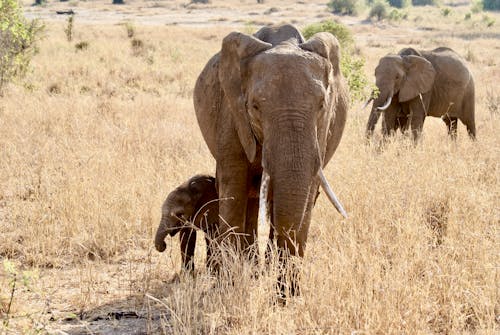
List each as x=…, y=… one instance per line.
x=188, y=243
x=451, y=124
x=417, y=117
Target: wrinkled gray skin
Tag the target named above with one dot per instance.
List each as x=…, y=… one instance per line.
x=423, y=83
x=187, y=208
x=276, y=101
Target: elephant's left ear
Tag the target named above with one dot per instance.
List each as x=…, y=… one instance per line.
x=327, y=46
x=419, y=79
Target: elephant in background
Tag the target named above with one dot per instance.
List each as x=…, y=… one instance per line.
x=192, y=205
x=415, y=84
x=272, y=108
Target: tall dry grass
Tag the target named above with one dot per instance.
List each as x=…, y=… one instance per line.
x=95, y=139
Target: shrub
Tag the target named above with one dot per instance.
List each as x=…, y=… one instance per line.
x=351, y=64
x=340, y=31
x=397, y=15
x=344, y=7
x=489, y=21
x=424, y=2
x=379, y=10
x=468, y=16
x=17, y=41
x=69, y=28
x=491, y=4
x=80, y=46
x=445, y=11
x=400, y=3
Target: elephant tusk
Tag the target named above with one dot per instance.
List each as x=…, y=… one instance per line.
x=264, y=189
x=331, y=196
x=422, y=102
x=384, y=107
x=366, y=104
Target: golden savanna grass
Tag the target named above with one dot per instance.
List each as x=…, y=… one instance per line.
x=93, y=140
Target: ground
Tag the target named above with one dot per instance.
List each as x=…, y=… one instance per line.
x=93, y=139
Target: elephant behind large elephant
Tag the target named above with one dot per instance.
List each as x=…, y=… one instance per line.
x=414, y=84
x=272, y=107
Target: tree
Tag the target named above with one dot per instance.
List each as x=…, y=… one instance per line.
x=17, y=41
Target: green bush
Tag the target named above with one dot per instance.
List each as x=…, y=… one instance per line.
x=446, y=11
x=351, y=64
x=340, y=31
x=17, y=41
x=344, y=7
x=397, y=15
x=400, y=3
x=379, y=10
x=491, y=4
x=424, y=2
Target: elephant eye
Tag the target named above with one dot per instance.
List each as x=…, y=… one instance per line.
x=255, y=106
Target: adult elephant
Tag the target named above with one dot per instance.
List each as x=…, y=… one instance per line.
x=415, y=84
x=272, y=107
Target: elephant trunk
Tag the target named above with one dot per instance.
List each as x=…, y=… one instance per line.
x=161, y=233
x=291, y=175
x=379, y=105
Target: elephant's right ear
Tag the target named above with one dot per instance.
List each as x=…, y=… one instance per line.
x=235, y=48
x=420, y=76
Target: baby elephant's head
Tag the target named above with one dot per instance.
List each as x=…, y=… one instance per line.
x=182, y=204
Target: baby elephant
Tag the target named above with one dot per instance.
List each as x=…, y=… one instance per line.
x=191, y=205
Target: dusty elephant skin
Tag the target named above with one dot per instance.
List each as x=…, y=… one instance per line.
x=274, y=105
x=192, y=205
x=415, y=84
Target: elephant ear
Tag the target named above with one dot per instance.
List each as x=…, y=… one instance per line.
x=235, y=48
x=419, y=79
x=327, y=46
x=199, y=185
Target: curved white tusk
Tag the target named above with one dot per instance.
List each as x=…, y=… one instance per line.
x=331, y=196
x=384, y=107
x=366, y=104
x=264, y=189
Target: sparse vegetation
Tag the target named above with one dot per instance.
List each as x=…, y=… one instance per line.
x=91, y=142
x=445, y=11
x=130, y=27
x=379, y=10
x=397, y=15
x=69, y=28
x=488, y=21
x=80, y=46
x=17, y=41
x=345, y=7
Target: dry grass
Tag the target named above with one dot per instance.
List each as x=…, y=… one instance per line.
x=96, y=138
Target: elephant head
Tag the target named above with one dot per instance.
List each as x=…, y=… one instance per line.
x=182, y=205
x=284, y=98
x=400, y=78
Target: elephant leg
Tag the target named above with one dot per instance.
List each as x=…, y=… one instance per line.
x=417, y=117
x=187, y=237
x=451, y=123
x=232, y=185
x=389, y=122
x=468, y=111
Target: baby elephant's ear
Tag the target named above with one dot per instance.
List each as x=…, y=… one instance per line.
x=199, y=185
x=326, y=45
